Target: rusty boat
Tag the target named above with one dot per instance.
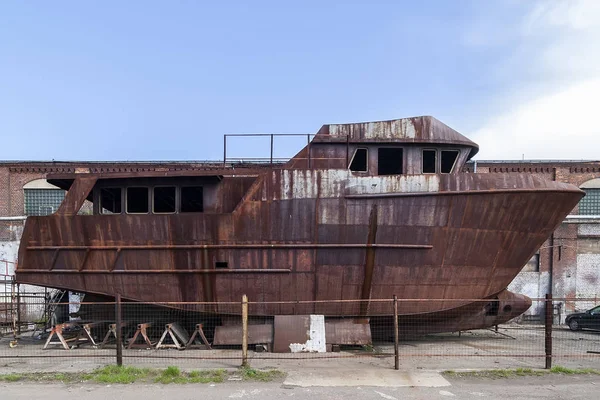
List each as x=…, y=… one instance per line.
x=365, y=211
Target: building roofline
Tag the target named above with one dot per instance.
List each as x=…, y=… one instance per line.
x=540, y=161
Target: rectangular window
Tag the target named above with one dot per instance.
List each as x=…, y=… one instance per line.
x=359, y=161
x=389, y=161
x=192, y=199
x=42, y=201
x=137, y=200
x=110, y=201
x=429, y=161
x=590, y=204
x=449, y=158
x=164, y=200
x=533, y=265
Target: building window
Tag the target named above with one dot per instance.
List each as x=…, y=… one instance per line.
x=590, y=204
x=42, y=201
x=359, y=161
x=389, y=161
x=533, y=265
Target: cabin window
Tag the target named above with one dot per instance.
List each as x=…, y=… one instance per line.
x=221, y=265
x=164, y=200
x=429, y=161
x=449, y=158
x=110, y=201
x=389, y=161
x=192, y=199
x=359, y=161
x=137, y=200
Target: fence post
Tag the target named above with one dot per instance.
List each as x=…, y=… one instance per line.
x=396, y=351
x=244, y=331
x=19, y=309
x=13, y=301
x=118, y=328
x=548, y=329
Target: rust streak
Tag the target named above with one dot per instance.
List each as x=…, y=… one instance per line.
x=369, y=261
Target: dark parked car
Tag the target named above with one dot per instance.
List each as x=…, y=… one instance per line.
x=589, y=319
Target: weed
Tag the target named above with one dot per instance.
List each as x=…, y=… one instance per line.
x=116, y=374
x=251, y=374
x=11, y=377
x=569, y=371
x=511, y=373
x=113, y=374
x=216, y=376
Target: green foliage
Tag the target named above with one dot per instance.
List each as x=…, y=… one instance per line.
x=11, y=377
x=251, y=374
x=116, y=374
x=511, y=373
x=577, y=371
x=113, y=374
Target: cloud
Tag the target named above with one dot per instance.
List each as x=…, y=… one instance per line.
x=550, y=113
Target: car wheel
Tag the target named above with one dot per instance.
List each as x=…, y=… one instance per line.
x=574, y=325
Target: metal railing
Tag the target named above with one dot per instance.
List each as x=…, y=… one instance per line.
x=393, y=333
x=271, y=159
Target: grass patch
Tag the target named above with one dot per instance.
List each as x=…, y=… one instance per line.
x=116, y=374
x=577, y=371
x=208, y=376
x=113, y=374
x=512, y=373
x=11, y=377
x=251, y=374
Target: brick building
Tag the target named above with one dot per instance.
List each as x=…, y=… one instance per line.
x=567, y=265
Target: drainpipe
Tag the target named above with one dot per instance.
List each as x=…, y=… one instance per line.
x=551, y=263
x=475, y=166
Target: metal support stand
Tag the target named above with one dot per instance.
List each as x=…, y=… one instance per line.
x=198, y=332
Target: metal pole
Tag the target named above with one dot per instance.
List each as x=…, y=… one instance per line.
x=271, y=149
x=13, y=301
x=224, y=150
x=18, y=308
x=308, y=148
x=244, y=331
x=548, y=330
x=118, y=328
x=396, y=351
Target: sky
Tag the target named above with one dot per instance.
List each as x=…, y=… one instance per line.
x=164, y=80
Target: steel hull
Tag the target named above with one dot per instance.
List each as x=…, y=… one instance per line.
x=311, y=236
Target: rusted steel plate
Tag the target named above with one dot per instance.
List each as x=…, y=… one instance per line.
x=232, y=334
x=290, y=329
x=348, y=332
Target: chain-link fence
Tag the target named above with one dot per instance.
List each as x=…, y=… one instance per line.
x=416, y=333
